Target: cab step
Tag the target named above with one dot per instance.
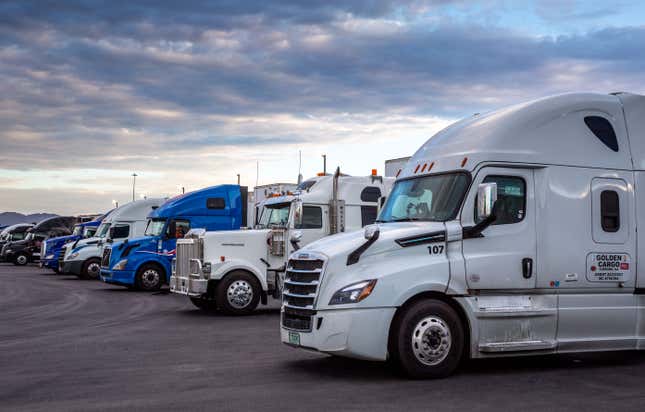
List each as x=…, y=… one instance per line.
x=517, y=346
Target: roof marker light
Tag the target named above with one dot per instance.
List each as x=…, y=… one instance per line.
x=423, y=169
x=417, y=168
x=431, y=166
x=463, y=162
x=222, y=258
x=398, y=173
x=374, y=172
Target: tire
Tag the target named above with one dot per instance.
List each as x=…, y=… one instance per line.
x=149, y=277
x=428, y=340
x=204, y=303
x=91, y=269
x=238, y=293
x=21, y=259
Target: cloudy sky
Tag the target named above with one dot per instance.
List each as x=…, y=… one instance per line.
x=190, y=93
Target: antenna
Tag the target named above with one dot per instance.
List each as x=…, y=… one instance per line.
x=299, y=166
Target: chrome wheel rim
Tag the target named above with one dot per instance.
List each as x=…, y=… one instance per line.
x=93, y=270
x=150, y=279
x=431, y=340
x=239, y=294
x=22, y=260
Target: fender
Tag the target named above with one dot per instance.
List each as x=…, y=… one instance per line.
x=419, y=289
x=144, y=258
x=221, y=269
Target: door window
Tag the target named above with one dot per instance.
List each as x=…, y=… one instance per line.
x=609, y=211
x=311, y=218
x=511, y=199
x=120, y=231
x=181, y=227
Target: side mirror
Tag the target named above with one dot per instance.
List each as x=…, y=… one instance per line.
x=486, y=198
x=172, y=229
x=297, y=213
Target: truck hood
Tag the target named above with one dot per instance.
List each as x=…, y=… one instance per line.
x=343, y=244
x=57, y=242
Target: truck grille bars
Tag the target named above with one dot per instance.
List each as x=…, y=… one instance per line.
x=105, y=261
x=301, y=283
x=187, y=249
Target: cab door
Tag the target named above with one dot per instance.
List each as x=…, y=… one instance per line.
x=504, y=256
x=312, y=227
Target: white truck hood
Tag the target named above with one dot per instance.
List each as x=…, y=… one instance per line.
x=236, y=245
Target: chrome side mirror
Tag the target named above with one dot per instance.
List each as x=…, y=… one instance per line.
x=486, y=198
x=297, y=214
x=294, y=239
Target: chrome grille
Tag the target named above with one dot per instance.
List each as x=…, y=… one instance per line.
x=105, y=261
x=301, y=282
x=187, y=249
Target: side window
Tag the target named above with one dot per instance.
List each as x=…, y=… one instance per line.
x=215, y=203
x=368, y=215
x=603, y=130
x=311, y=218
x=609, y=211
x=511, y=199
x=119, y=231
x=370, y=194
x=180, y=228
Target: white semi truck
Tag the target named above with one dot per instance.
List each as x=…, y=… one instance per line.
x=83, y=258
x=509, y=233
x=233, y=271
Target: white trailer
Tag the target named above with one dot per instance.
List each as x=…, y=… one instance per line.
x=83, y=258
x=509, y=233
x=234, y=270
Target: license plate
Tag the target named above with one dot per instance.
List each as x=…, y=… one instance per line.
x=294, y=338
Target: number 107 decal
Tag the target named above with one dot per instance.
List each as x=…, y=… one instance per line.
x=436, y=249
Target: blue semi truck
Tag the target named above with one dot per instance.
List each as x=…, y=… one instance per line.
x=52, y=247
x=145, y=262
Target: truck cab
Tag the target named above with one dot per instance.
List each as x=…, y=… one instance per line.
x=145, y=262
x=235, y=271
x=13, y=233
x=22, y=252
x=508, y=233
x=83, y=257
x=52, y=248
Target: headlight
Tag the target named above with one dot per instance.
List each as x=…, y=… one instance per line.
x=72, y=256
x=120, y=265
x=353, y=293
x=48, y=257
x=8, y=251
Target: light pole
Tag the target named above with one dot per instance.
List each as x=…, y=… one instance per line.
x=324, y=164
x=238, y=179
x=134, y=182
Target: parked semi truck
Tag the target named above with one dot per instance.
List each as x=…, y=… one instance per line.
x=21, y=252
x=264, y=192
x=52, y=248
x=83, y=257
x=234, y=271
x=13, y=233
x=510, y=233
x=145, y=262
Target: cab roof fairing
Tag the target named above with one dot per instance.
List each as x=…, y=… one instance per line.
x=191, y=203
x=550, y=130
x=133, y=211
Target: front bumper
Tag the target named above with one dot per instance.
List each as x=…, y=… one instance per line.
x=354, y=333
x=189, y=285
x=49, y=262
x=118, y=277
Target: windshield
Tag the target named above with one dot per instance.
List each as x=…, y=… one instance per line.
x=78, y=230
x=275, y=215
x=103, y=230
x=30, y=236
x=155, y=227
x=428, y=198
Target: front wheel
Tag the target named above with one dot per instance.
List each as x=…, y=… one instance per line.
x=21, y=259
x=429, y=340
x=238, y=293
x=91, y=269
x=149, y=278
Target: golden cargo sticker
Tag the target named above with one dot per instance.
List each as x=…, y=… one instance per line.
x=608, y=267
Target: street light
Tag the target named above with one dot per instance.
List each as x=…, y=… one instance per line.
x=134, y=182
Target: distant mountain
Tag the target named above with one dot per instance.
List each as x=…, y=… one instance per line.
x=11, y=218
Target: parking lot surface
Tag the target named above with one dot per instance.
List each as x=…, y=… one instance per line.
x=68, y=344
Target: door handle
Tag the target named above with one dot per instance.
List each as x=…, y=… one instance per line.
x=527, y=268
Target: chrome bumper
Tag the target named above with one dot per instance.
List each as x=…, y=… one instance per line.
x=189, y=285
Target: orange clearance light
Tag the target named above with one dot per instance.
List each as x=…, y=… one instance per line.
x=373, y=172
x=222, y=258
x=431, y=166
x=320, y=174
x=463, y=162
x=398, y=173
x=423, y=169
x=417, y=168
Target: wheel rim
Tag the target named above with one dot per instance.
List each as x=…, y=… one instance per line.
x=93, y=269
x=150, y=279
x=22, y=260
x=431, y=340
x=239, y=294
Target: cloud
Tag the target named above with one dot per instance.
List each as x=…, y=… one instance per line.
x=192, y=92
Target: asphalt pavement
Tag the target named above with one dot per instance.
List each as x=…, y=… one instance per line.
x=69, y=344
